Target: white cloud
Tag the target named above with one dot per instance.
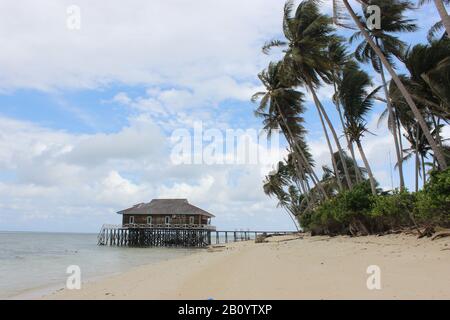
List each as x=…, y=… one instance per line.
x=77, y=182
x=205, y=44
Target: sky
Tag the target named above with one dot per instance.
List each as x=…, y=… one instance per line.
x=91, y=109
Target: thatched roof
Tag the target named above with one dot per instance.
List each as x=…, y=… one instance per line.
x=166, y=207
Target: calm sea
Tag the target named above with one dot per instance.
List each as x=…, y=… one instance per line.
x=38, y=261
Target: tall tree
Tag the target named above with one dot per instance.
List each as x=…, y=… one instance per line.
x=338, y=56
x=357, y=102
x=392, y=21
x=329, y=180
x=275, y=184
x=436, y=150
x=440, y=6
x=308, y=33
x=281, y=107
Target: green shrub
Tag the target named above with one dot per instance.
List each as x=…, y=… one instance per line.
x=433, y=202
x=359, y=212
x=393, y=211
x=336, y=215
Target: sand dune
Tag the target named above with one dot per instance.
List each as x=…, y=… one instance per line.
x=307, y=268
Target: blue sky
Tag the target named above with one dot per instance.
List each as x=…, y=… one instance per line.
x=86, y=115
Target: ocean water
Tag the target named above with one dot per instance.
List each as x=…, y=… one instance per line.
x=38, y=261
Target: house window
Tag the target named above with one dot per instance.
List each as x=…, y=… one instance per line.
x=149, y=220
x=167, y=220
x=131, y=220
x=191, y=220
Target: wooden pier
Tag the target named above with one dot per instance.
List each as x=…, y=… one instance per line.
x=186, y=236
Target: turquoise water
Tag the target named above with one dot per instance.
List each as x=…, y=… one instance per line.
x=35, y=261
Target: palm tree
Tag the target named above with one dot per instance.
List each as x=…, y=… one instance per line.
x=408, y=98
x=392, y=21
x=281, y=108
x=338, y=56
x=274, y=185
x=357, y=102
x=440, y=6
x=329, y=179
x=308, y=33
x=419, y=146
x=419, y=149
x=429, y=66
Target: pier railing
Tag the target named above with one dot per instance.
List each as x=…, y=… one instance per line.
x=159, y=226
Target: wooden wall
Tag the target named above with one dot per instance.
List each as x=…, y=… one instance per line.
x=160, y=219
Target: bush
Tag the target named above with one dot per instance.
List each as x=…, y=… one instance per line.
x=433, y=202
x=342, y=213
x=393, y=211
x=358, y=212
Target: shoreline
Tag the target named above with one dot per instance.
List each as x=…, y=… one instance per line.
x=287, y=268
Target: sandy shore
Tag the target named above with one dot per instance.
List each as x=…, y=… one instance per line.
x=307, y=268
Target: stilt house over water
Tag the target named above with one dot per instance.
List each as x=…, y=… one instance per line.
x=167, y=213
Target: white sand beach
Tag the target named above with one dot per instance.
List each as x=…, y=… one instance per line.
x=288, y=268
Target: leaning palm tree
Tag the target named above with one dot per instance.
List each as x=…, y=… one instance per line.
x=440, y=6
x=429, y=80
x=329, y=180
x=281, y=107
x=429, y=66
x=419, y=148
x=308, y=33
x=338, y=56
x=392, y=21
x=275, y=184
x=357, y=103
x=405, y=93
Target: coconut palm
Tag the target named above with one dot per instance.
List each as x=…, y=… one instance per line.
x=357, y=102
x=419, y=146
x=392, y=21
x=329, y=180
x=275, y=184
x=338, y=56
x=308, y=33
x=429, y=66
x=440, y=6
x=281, y=108
x=402, y=88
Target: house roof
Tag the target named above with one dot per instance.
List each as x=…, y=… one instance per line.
x=166, y=207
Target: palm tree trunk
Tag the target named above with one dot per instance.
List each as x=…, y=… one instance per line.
x=369, y=170
x=305, y=162
x=301, y=176
x=399, y=129
x=394, y=129
x=321, y=109
x=417, y=159
x=439, y=156
x=358, y=174
x=444, y=15
x=424, y=173
x=293, y=218
x=417, y=170
x=330, y=148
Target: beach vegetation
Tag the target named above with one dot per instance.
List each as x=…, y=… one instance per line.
x=360, y=63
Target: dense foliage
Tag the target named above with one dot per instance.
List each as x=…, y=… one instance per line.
x=358, y=212
x=346, y=198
